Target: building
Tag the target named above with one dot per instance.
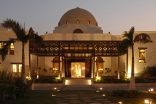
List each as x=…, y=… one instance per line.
x=77, y=48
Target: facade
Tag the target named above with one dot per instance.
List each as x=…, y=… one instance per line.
x=77, y=48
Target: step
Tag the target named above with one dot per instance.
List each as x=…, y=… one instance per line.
x=78, y=81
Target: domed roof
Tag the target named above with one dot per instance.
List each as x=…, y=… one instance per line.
x=77, y=16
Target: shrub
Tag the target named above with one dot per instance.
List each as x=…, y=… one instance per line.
x=48, y=79
x=12, y=87
x=111, y=80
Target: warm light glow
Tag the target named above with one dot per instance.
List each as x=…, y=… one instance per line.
x=53, y=95
x=0, y=45
x=98, y=78
x=37, y=76
x=89, y=82
x=97, y=91
x=55, y=88
x=77, y=69
x=14, y=66
x=66, y=82
x=12, y=46
x=120, y=102
x=129, y=72
x=20, y=67
x=28, y=77
x=151, y=90
x=103, y=95
x=59, y=77
x=100, y=69
x=148, y=101
x=54, y=68
x=100, y=88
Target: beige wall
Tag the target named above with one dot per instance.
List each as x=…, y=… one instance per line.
x=110, y=62
x=17, y=57
x=69, y=28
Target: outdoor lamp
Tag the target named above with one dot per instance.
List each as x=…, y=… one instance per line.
x=103, y=94
x=151, y=90
x=55, y=88
x=100, y=88
x=120, y=102
x=148, y=101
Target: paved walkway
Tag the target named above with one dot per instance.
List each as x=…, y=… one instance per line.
x=74, y=94
x=80, y=97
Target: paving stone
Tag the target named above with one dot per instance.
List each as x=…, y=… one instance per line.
x=99, y=99
x=107, y=101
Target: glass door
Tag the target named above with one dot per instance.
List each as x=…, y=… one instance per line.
x=77, y=69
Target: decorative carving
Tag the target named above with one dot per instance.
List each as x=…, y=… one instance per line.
x=76, y=48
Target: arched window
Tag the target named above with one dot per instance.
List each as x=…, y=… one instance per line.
x=67, y=22
x=99, y=63
x=77, y=31
x=56, y=63
x=77, y=22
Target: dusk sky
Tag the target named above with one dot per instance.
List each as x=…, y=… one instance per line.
x=115, y=16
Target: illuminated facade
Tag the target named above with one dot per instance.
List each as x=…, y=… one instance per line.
x=77, y=48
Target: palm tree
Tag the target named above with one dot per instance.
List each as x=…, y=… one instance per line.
x=23, y=37
x=128, y=42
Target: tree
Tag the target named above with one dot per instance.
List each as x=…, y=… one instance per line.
x=23, y=37
x=128, y=42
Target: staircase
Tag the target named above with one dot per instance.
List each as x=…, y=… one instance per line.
x=78, y=81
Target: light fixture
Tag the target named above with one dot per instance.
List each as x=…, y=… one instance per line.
x=103, y=95
x=120, y=102
x=100, y=88
x=55, y=88
x=151, y=90
x=37, y=76
x=148, y=101
x=53, y=95
x=97, y=91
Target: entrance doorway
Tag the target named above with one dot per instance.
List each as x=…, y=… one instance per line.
x=77, y=69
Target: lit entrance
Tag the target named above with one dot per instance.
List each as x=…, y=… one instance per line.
x=77, y=69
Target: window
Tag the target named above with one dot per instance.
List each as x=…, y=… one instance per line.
x=12, y=49
x=142, y=55
x=67, y=22
x=88, y=22
x=0, y=45
x=77, y=31
x=16, y=67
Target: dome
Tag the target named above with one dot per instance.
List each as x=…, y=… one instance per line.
x=77, y=16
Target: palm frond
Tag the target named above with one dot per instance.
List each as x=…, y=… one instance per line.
x=38, y=40
x=142, y=38
x=129, y=35
x=123, y=47
x=4, y=49
x=16, y=27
